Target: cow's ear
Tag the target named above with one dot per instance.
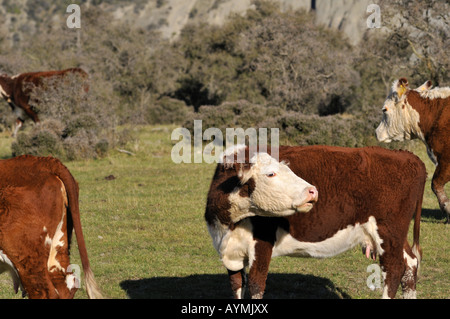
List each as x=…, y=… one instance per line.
x=425, y=87
x=244, y=172
x=402, y=87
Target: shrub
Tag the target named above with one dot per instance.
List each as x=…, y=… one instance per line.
x=40, y=141
x=267, y=57
x=72, y=126
x=167, y=111
x=294, y=128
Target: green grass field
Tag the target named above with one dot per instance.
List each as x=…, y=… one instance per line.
x=147, y=238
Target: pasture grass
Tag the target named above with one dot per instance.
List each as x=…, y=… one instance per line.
x=142, y=219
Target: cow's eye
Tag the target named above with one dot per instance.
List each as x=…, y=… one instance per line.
x=272, y=174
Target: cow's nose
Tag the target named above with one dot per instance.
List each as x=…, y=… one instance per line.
x=314, y=194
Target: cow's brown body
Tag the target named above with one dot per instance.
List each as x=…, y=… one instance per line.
x=435, y=126
x=430, y=111
x=16, y=91
x=367, y=196
x=38, y=211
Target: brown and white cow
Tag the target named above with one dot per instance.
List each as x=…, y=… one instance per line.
x=423, y=113
x=368, y=196
x=38, y=211
x=16, y=91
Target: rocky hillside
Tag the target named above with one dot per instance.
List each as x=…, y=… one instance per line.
x=170, y=16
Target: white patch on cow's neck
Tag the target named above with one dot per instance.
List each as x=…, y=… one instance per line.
x=218, y=231
x=236, y=247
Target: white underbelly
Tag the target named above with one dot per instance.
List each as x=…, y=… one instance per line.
x=343, y=240
x=237, y=247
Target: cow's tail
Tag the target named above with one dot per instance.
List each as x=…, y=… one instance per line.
x=416, y=229
x=416, y=234
x=71, y=186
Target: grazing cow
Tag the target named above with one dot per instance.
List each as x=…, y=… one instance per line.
x=368, y=196
x=38, y=211
x=423, y=113
x=16, y=91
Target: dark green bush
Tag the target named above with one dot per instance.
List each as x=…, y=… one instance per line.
x=84, y=121
x=294, y=128
x=73, y=125
x=42, y=142
x=266, y=68
x=167, y=111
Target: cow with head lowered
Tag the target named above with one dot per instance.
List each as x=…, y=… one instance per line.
x=16, y=90
x=422, y=113
x=363, y=196
x=38, y=211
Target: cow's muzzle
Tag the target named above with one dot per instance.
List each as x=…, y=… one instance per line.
x=312, y=195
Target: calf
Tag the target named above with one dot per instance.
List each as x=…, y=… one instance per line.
x=368, y=196
x=16, y=91
x=423, y=113
x=38, y=211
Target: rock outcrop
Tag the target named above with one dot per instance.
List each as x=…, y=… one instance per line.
x=170, y=16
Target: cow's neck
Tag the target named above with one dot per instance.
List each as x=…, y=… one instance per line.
x=429, y=111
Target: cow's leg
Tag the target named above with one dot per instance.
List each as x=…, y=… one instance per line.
x=440, y=178
x=238, y=281
x=58, y=249
x=409, y=278
x=19, y=123
x=259, y=269
x=64, y=283
x=36, y=280
x=29, y=111
x=393, y=268
x=63, y=278
x=30, y=264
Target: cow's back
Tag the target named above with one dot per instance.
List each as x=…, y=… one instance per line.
x=24, y=83
x=27, y=170
x=353, y=184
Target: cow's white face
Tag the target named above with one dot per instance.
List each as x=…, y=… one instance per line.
x=400, y=120
x=278, y=191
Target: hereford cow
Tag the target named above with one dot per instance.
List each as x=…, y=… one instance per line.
x=368, y=196
x=423, y=113
x=16, y=91
x=38, y=211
